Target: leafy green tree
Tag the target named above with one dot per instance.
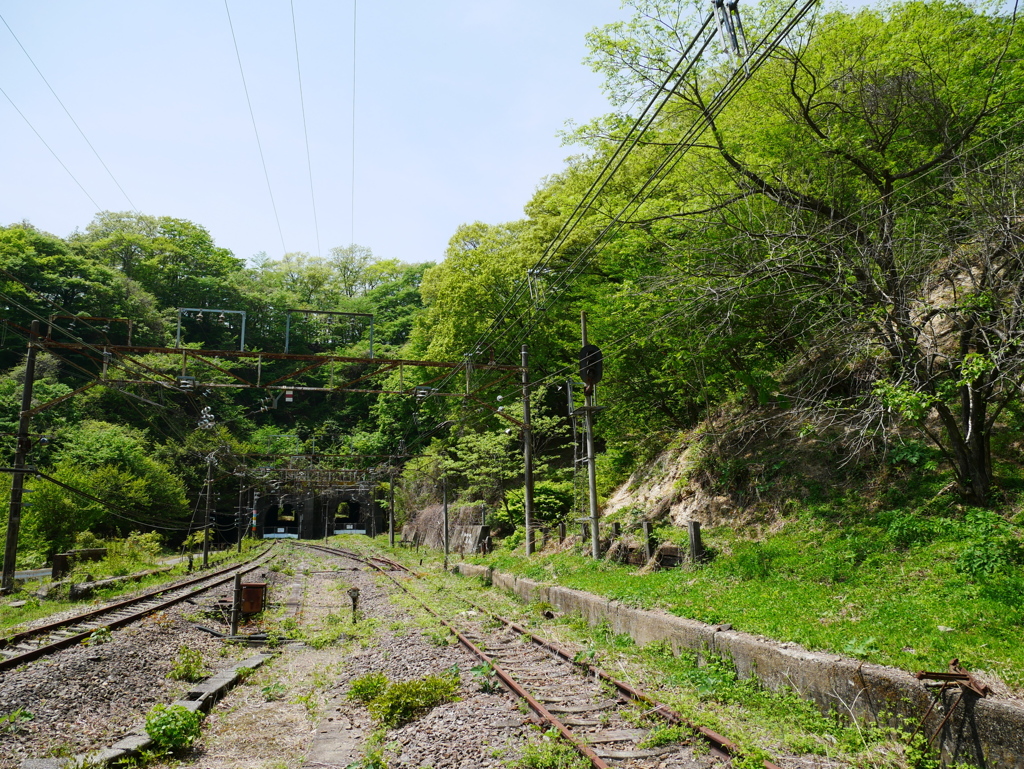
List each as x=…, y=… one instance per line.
x=842, y=194
x=113, y=464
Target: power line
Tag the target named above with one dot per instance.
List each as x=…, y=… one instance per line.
x=68, y=113
x=55, y=156
x=305, y=130
x=255, y=130
x=352, y=212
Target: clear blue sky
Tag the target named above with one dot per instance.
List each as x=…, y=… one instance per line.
x=457, y=107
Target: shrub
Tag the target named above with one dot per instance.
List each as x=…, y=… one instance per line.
x=366, y=688
x=173, y=727
x=398, y=703
x=993, y=547
x=188, y=665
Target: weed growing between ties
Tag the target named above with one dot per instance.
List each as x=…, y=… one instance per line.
x=395, y=703
x=549, y=752
x=15, y=721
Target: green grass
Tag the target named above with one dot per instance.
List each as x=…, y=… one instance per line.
x=13, y=617
x=842, y=587
x=708, y=691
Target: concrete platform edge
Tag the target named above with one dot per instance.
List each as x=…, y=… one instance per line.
x=984, y=732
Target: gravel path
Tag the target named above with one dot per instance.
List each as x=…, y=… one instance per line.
x=312, y=723
x=90, y=696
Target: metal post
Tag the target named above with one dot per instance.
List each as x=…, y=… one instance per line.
x=236, y=604
x=588, y=413
x=391, y=507
x=255, y=500
x=444, y=505
x=527, y=459
x=206, y=528
x=18, y=478
x=561, y=532
x=241, y=513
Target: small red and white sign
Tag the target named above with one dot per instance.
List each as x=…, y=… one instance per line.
x=289, y=396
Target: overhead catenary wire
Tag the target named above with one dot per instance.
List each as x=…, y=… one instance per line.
x=305, y=129
x=738, y=76
x=256, y=132
x=51, y=150
x=70, y=117
x=717, y=104
x=620, y=346
x=352, y=202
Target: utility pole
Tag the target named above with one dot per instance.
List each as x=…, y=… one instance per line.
x=255, y=507
x=18, y=480
x=241, y=511
x=527, y=458
x=444, y=507
x=588, y=416
x=391, y=507
x=206, y=528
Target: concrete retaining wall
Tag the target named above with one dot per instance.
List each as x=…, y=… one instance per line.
x=985, y=732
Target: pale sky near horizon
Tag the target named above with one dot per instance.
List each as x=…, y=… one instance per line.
x=457, y=109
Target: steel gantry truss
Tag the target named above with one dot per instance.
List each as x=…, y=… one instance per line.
x=254, y=377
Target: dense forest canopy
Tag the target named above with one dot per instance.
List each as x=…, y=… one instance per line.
x=839, y=249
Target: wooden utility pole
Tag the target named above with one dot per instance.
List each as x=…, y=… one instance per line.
x=588, y=417
x=391, y=507
x=444, y=506
x=20, y=454
x=527, y=459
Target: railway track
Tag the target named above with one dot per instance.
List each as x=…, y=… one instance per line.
x=41, y=641
x=600, y=716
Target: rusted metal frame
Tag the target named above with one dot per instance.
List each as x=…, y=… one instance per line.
x=296, y=388
x=957, y=674
x=442, y=375
x=155, y=372
x=502, y=414
x=946, y=718
x=64, y=643
x=303, y=370
x=378, y=372
x=285, y=356
x=493, y=383
x=62, y=398
x=45, y=344
x=213, y=365
x=935, y=699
